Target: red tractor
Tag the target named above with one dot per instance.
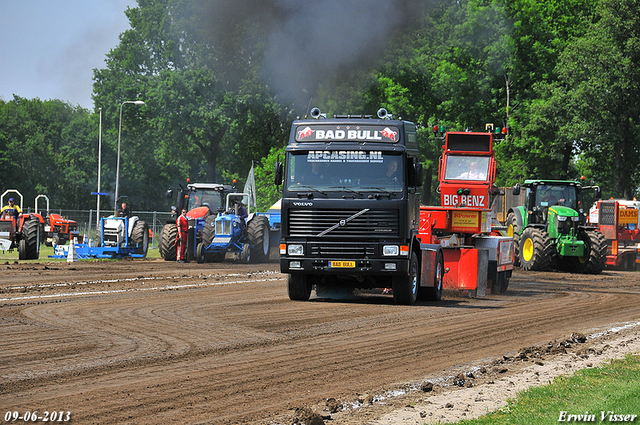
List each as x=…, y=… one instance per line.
x=20, y=230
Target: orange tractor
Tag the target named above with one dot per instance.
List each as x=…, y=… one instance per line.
x=20, y=230
x=58, y=230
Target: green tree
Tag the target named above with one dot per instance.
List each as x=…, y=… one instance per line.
x=206, y=111
x=46, y=149
x=594, y=104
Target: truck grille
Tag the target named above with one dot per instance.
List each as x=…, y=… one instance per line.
x=372, y=224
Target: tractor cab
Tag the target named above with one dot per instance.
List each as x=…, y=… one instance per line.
x=204, y=199
x=554, y=200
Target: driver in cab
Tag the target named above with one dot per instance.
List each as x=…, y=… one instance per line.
x=473, y=173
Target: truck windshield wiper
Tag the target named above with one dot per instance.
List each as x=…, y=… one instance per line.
x=385, y=191
x=345, y=189
x=306, y=187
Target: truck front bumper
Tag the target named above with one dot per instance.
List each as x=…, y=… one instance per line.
x=368, y=266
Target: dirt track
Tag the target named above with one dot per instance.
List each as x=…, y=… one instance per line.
x=155, y=342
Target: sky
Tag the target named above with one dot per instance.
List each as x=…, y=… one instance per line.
x=49, y=48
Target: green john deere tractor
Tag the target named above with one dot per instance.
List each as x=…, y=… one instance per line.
x=550, y=230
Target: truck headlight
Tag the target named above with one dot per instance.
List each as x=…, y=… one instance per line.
x=390, y=250
x=575, y=218
x=295, y=249
x=562, y=218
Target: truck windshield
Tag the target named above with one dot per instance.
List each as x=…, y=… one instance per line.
x=466, y=168
x=334, y=171
x=204, y=197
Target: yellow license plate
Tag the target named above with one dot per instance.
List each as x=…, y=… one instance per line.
x=342, y=264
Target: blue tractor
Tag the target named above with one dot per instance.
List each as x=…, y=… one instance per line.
x=216, y=227
x=229, y=231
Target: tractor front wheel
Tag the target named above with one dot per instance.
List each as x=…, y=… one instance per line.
x=595, y=256
x=200, y=255
x=140, y=237
x=258, y=237
x=536, y=249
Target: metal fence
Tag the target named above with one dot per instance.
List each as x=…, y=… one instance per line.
x=87, y=221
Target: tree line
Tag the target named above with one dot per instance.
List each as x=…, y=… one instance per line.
x=220, y=91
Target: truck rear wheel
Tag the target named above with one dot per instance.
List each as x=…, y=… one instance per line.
x=405, y=287
x=536, y=249
x=434, y=293
x=299, y=287
x=140, y=237
x=258, y=237
x=168, y=247
x=29, y=246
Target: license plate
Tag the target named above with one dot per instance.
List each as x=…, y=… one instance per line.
x=342, y=264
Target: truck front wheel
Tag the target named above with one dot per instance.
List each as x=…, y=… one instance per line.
x=405, y=287
x=299, y=287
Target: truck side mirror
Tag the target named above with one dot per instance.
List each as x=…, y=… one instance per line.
x=169, y=194
x=278, y=174
x=598, y=192
x=419, y=174
x=516, y=189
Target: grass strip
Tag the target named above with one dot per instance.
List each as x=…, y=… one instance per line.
x=607, y=394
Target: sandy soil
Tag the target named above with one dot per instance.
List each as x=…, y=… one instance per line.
x=147, y=341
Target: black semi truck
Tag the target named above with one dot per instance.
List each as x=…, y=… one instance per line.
x=351, y=209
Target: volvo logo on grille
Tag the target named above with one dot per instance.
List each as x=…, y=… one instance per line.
x=303, y=204
x=343, y=223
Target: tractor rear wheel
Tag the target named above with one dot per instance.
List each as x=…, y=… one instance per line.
x=595, y=257
x=405, y=287
x=258, y=237
x=140, y=237
x=168, y=246
x=514, y=231
x=536, y=249
x=29, y=246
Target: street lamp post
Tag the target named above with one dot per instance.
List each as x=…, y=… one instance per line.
x=99, y=168
x=115, y=201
